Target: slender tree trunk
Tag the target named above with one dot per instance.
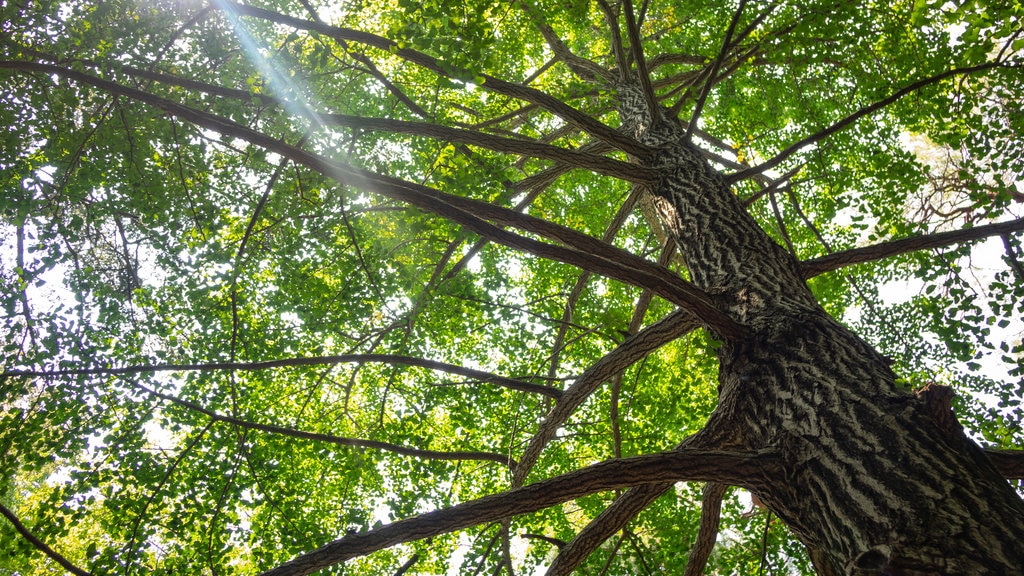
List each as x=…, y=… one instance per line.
x=879, y=480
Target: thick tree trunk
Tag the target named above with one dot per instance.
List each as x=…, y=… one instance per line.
x=879, y=480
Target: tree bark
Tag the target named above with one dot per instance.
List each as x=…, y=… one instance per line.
x=877, y=480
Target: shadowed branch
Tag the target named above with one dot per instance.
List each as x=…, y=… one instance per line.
x=685, y=464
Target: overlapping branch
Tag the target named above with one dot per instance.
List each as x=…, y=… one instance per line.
x=475, y=374
x=599, y=164
x=518, y=91
x=847, y=121
x=39, y=544
x=811, y=268
x=734, y=468
x=579, y=250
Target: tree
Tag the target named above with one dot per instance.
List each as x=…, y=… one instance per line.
x=404, y=287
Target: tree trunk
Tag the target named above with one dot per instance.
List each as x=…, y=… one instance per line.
x=879, y=480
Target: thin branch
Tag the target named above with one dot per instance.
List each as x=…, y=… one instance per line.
x=330, y=438
x=478, y=375
x=764, y=544
x=670, y=58
x=811, y=268
x=408, y=564
x=772, y=185
x=553, y=541
x=726, y=45
x=159, y=488
x=840, y=125
x=580, y=66
x=39, y=544
x=599, y=164
x=744, y=469
x=637, y=51
x=581, y=282
x=1013, y=257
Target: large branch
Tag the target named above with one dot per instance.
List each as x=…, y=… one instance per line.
x=525, y=93
x=586, y=252
x=1010, y=463
x=636, y=50
x=608, y=522
x=633, y=349
x=811, y=268
x=707, y=533
x=847, y=121
x=480, y=375
x=743, y=469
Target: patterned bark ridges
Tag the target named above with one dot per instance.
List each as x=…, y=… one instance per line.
x=878, y=480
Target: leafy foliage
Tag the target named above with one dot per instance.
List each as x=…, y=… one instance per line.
x=135, y=234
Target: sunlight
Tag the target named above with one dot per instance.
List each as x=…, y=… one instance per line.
x=288, y=90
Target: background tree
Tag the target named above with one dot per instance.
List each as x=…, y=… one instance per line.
x=465, y=287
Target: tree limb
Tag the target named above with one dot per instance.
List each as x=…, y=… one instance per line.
x=480, y=375
x=532, y=95
x=636, y=49
x=608, y=522
x=580, y=66
x=726, y=45
x=816, y=266
x=744, y=469
x=329, y=438
x=841, y=124
x=469, y=213
x=654, y=336
x=39, y=544
x=707, y=533
x=599, y=164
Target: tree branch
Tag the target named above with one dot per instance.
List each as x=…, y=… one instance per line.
x=608, y=522
x=637, y=51
x=330, y=438
x=811, y=268
x=599, y=164
x=39, y=544
x=532, y=95
x=471, y=214
x=580, y=66
x=707, y=533
x=612, y=20
x=743, y=469
x=300, y=361
x=633, y=349
x=726, y=45
x=1010, y=463
x=821, y=135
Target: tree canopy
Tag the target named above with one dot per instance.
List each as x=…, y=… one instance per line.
x=280, y=274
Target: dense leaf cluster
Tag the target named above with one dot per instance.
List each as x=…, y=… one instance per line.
x=135, y=235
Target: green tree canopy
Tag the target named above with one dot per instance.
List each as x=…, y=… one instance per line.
x=284, y=273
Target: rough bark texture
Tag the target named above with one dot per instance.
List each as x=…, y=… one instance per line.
x=878, y=480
